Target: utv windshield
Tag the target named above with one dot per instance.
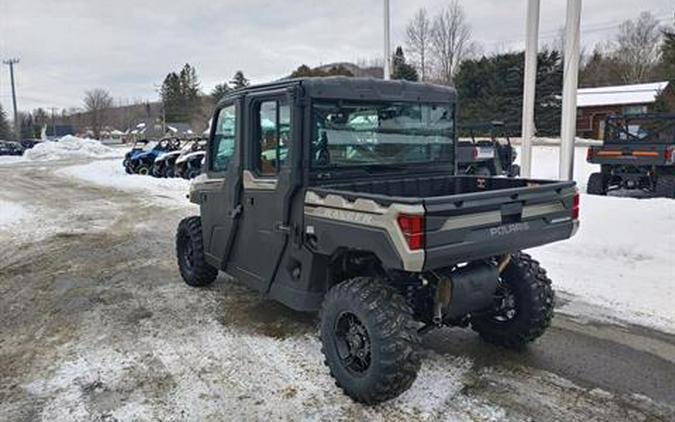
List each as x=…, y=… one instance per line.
x=348, y=134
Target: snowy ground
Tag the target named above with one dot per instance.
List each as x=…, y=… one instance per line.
x=11, y=213
x=96, y=324
x=622, y=257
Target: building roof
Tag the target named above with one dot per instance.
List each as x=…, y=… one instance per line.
x=620, y=94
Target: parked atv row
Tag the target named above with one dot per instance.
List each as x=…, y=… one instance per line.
x=170, y=157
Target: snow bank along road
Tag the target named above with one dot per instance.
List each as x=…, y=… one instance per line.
x=96, y=324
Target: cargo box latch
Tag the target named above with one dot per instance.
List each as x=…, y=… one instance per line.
x=512, y=212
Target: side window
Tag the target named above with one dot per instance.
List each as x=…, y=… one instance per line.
x=273, y=121
x=222, y=147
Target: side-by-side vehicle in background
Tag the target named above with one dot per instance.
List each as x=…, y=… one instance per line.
x=141, y=158
x=487, y=151
x=638, y=152
x=342, y=196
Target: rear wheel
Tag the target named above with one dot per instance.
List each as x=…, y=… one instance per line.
x=665, y=186
x=597, y=184
x=369, y=339
x=523, y=306
x=190, y=253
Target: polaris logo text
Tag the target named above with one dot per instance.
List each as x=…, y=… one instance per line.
x=509, y=228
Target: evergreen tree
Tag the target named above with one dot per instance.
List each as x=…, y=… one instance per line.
x=668, y=54
x=5, y=128
x=171, y=94
x=189, y=84
x=220, y=90
x=239, y=80
x=491, y=88
x=180, y=95
x=401, y=69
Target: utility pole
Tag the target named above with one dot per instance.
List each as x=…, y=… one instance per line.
x=11, y=63
x=568, y=123
x=529, y=86
x=387, y=45
x=53, y=122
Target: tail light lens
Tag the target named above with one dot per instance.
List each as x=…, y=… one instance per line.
x=589, y=153
x=668, y=154
x=412, y=227
x=575, y=206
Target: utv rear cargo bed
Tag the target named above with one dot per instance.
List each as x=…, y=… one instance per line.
x=467, y=217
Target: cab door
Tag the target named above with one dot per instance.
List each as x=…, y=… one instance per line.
x=262, y=235
x=220, y=193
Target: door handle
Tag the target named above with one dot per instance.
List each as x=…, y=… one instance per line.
x=281, y=228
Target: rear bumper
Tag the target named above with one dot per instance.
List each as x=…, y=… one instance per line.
x=489, y=242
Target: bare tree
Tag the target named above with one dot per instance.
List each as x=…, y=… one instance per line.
x=450, y=41
x=96, y=103
x=418, y=40
x=638, y=47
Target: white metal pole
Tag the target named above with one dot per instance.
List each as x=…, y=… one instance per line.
x=529, y=86
x=568, y=121
x=387, y=46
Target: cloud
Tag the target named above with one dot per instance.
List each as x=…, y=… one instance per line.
x=128, y=46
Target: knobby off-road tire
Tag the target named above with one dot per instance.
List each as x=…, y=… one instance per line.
x=596, y=184
x=376, y=317
x=169, y=171
x=190, y=253
x=143, y=170
x=665, y=186
x=531, y=308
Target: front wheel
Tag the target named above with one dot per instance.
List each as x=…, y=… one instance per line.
x=523, y=306
x=369, y=339
x=190, y=253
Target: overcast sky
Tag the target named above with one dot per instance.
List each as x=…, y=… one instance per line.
x=128, y=46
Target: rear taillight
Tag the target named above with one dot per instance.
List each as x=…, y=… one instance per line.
x=575, y=206
x=668, y=154
x=589, y=153
x=412, y=227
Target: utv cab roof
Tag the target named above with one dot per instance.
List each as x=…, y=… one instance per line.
x=370, y=89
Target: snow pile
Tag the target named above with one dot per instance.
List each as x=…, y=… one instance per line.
x=10, y=213
x=70, y=146
x=110, y=173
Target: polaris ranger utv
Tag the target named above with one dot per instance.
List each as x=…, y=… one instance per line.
x=638, y=152
x=360, y=215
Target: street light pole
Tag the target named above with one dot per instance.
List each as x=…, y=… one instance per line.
x=568, y=121
x=529, y=86
x=11, y=63
x=387, y=46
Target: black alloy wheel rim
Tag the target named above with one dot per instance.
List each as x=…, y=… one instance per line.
x=352, y=343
